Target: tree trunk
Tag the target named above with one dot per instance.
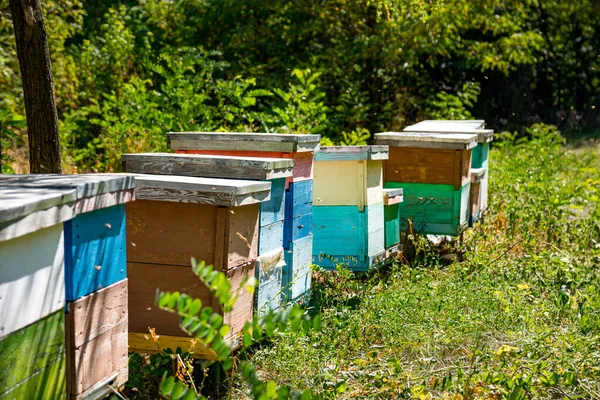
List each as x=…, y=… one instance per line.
x=38, y=86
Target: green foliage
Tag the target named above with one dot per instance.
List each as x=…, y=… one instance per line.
x=517, y=318
x=126, y=73
x=206, y=324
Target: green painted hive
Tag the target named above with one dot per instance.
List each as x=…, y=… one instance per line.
x=479, y=158
x=434, y=172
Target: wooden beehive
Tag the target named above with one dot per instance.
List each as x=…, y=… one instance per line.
x=174, y=219
x=391, y=211
x=348, y=210
x=299, y=187
x=271, y=229
x=76, y=226
x=434, y=172
x=479, y=155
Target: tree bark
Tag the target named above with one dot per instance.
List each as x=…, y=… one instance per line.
x=38, y=86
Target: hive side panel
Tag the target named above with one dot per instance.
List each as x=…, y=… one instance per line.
x=475, y=198
x=170, y=233
x=303, y=166
x=392, y=225
x=95, y=251
x=464, y=201
x=32, y=282
x=374, y=182
x=297, y=273
x=416, y=165
x=271, y=237
x=32, y=365
x=484, y=192
x=242, y=308
x=145, y=280
x=242, y=235
x=338, y=230
x=375, y=229
x=465, y=167
x=336, y=183
x=273, y=210
x=433, y=208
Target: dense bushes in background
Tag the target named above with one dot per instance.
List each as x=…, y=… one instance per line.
x=128, y=71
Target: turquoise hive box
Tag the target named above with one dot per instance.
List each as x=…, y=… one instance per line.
x=348, y=207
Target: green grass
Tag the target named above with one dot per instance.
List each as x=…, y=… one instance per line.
x=518, y=317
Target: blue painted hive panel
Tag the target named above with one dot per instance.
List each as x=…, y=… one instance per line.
x=269, y=271
x=274, y=210
x=270, y=237
x=297, y=273
x=298, y=212
x=95, y=251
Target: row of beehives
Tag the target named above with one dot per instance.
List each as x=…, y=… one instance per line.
x=75, y=294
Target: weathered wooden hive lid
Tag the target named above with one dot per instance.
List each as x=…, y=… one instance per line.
x=352, y=153
x=457, y=141
x=212, y=191
x=32, y=202
x=449, y=126
x=208, y=166
x=279, y=142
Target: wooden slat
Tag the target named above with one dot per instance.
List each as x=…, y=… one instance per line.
x=173, y=234
x=95, y=247
x=297, y=274
x=32, y=282
x=459, y=126
x=456, y=141
x=145, y=344
x=96, y=328
x=351, y=153
x=242, y=141
x=270, y=237
x=32, y=365
x=185, y=189
x=36, y=221
x=417, y=165
x=208, y=166
x=146, y=279
x=269, y=269
x=241, y=235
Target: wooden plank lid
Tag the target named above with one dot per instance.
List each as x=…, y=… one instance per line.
x=213, y=191
x=208, y=166
x=457, y=141
x=32, y=202
x=450, y=126
x=286, y=143
x=350, y=153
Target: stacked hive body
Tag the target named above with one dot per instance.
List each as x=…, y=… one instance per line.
x=297, y=239
x=270, y=242
x=62, y=248
x=479, y=157
x=348, y=212
x=173, y=219
x=434, y=172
